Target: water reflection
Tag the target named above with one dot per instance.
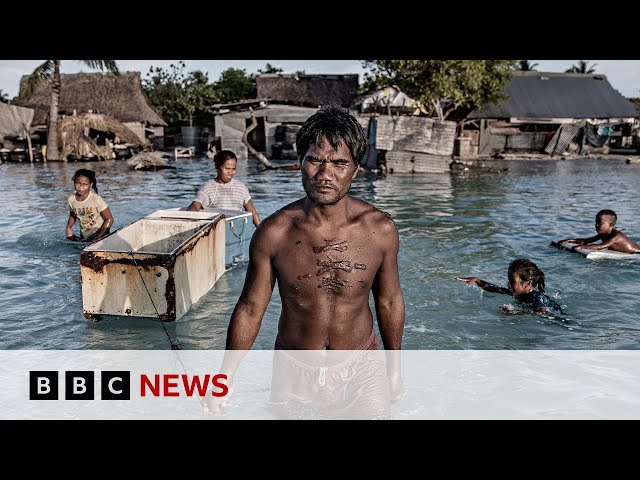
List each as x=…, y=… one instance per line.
x=465, y=224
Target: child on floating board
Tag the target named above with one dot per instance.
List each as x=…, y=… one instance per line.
x=611, y=238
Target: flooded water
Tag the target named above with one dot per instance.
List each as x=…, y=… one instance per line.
x=467, y=224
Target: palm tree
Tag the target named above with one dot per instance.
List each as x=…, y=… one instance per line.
x=582, y=67
x=525, y=66
x=50, y=70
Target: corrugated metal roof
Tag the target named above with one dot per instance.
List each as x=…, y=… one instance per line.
x=558, y=95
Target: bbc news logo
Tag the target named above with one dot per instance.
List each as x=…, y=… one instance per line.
x=116, y=385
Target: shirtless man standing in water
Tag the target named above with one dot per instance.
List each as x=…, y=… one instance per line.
x=327, y=251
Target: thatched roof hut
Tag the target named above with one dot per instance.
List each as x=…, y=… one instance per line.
x=92, y=135
x=119, y=96
x=307, y=90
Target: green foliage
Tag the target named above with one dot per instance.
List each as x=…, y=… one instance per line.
x=442, y=86
x=4, y=96
x=187, y=97
x=178, y=96
x=270, y=69
x=198, y=96
x=234, y=85
x=163, y=89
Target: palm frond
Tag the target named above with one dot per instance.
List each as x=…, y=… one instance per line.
x=41, y=72
x=526, y=66
x=109, y=65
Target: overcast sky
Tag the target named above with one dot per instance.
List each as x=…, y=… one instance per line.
x=623, y=75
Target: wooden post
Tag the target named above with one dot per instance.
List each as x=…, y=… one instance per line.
x=28, y=142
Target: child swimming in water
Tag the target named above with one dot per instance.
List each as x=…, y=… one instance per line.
x=524, y=277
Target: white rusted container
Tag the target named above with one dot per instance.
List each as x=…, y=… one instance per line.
x=238, y=231
x=157, y=266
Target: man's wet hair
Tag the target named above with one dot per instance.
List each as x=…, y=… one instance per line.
x=527, y=270
x=607, y=213
x=222, y=156
x=337, y=125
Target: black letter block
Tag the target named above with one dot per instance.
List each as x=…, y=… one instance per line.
x=43, y=385
x=116, y=385
x=78, y=385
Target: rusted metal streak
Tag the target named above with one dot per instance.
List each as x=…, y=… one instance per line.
x=98, y=262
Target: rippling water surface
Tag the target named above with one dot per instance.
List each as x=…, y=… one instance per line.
x=467, y=224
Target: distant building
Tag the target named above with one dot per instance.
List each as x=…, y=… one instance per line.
x=274, y=135
x=307, y=90
x=15, y=122
x=15, y=127
x=118, y=96
x=552, y=113
x=283, y=104
x=409, y=144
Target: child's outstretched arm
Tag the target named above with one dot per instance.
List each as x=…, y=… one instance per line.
x=70, y=223
x=596, y=246
x=106, y=225
x=581, y=241
x=489, y=287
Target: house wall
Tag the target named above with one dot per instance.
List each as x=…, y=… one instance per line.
x=523, y=141
x=157, y=131
x=403, y=161
x=531, y=141
x=230, y=126
x=156, y=136
x=505, y=135
x=230, y=137
x=270, y=135
x=415, y=144
x=415, y=134
x=137, y=128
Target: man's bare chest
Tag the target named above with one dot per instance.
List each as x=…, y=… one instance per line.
x=338, y=265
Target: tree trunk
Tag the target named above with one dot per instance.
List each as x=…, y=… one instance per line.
x=52, y=137
x=261, y=158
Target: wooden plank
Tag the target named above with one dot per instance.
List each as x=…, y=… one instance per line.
x=442, y=138
x=413, y=134
x=402, y=161
x=416, y=134
x=384, y=133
